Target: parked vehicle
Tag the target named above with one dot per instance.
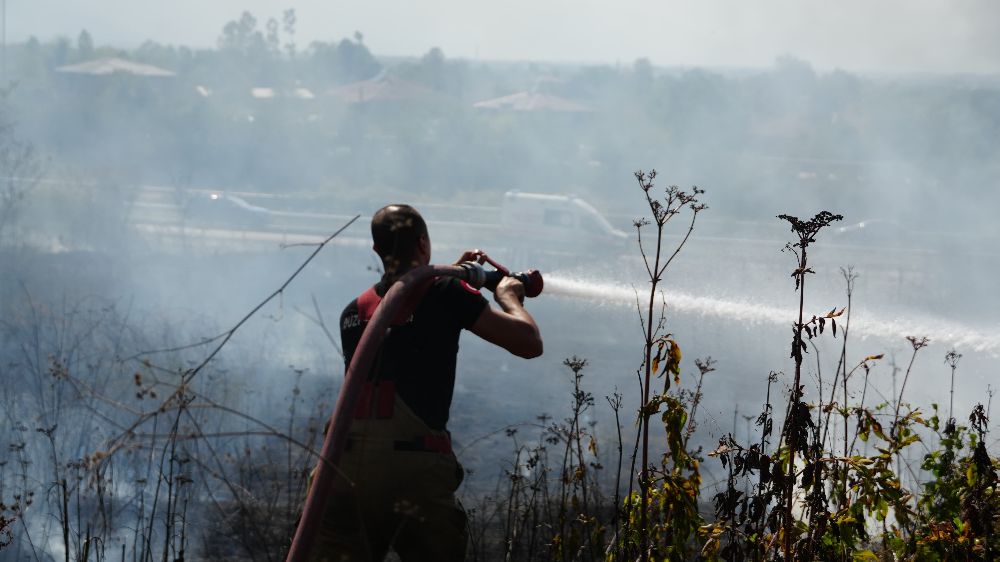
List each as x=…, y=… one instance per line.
x=559, y=230
x=220, y=210
x=558, y=218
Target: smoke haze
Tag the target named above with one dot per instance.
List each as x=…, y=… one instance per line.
x=892, y=36
x=144, y=212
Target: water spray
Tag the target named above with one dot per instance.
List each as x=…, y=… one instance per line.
x=865, y=323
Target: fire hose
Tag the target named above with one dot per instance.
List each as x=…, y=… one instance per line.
x=361, y=365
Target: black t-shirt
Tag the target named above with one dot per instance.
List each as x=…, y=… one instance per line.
x=419, y=355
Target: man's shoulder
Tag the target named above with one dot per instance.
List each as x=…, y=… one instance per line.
x=349, y=317
x=454, y=286
x=351, y=307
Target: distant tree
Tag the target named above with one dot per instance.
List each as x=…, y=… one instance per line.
x=242, y=37
x=84, y=45
x=21, y=167
x=434, y=71
x=60, y=52
x=288, y=21
x=642, y=71
x=432, y=68
x=346, y=61
x=356, y=61
x=794, y=71
x=273, y=38
x=594, y=83
x=251, y=56
x=29, y=66
x=153, y=52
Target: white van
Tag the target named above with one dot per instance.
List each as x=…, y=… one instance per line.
x=560, y=222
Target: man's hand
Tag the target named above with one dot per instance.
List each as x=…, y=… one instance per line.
x=512, y=328
x=476, y=255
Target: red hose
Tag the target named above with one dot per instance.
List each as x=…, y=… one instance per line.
x=340, y=420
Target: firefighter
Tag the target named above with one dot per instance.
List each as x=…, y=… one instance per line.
x=398, y=473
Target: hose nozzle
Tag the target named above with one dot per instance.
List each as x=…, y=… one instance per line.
x=477, y=276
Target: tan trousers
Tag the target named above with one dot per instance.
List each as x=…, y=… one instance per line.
x=398, y=499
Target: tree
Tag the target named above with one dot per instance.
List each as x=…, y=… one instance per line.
x=356, y=61
x=21, y=168
x=84, y=45
x=59, y=54
x=794, y=72
x=432, y=68
x=242, y=37
x=273, y=39
x=288, y=21
x=347, y=61
x=252, y=55
x=642, y=72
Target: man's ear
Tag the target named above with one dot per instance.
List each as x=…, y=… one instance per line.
x=425, y=244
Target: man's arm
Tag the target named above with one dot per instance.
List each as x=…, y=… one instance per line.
x=511, y=328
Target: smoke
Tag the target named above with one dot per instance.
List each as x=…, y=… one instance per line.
x=163, y=209
x=896, y=35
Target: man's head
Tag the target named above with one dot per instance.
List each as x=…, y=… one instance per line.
x=400, y=238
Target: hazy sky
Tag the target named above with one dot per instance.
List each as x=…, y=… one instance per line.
x=895, y=35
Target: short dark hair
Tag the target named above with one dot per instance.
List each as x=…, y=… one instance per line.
x=396, y=232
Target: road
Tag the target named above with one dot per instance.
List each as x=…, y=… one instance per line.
x=718, y=257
